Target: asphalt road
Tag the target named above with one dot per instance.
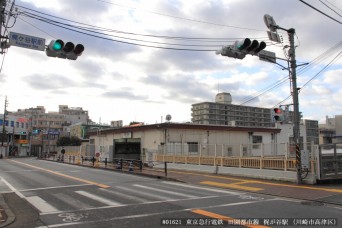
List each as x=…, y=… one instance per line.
x=46, y=194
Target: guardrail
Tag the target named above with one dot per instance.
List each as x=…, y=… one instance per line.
x=274, y=163
x=118, y=163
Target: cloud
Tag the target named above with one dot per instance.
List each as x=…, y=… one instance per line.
x=111, y=69
x=126, y=94
x=49, y=82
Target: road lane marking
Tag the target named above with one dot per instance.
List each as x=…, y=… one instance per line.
x=99, y=198
x=12, y=188
x=124, y=195
x=153, y=196
x=41, y=204
x=164, y=191
x=55, y=187
x=223, y=217
x=262, y=182
x=71, y=201
x=64, y=175
x=162, y=213
x=239, y=187
x=202, y=188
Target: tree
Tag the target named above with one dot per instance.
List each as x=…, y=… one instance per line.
x=69, y=141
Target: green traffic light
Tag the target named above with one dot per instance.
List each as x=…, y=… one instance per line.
x=58, y=45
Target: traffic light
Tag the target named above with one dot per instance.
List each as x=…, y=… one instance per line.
x=241, y=48
x=250, y=47
x=278, y=114
x=230, y=51
x=58, y=49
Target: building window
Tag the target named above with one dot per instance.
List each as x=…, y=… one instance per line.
x=193, y=147
x=257, y=139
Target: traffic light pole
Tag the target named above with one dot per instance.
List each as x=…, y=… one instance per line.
x=270, y=23
x=296, y=127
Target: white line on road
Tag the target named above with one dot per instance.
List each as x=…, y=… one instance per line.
x=202, y=188
x=124, y=195
x=99, y=198
x=12, y=188
x=41, y=204
x=148, y=214
x=65, y=186
x=154, y=196
x=165, y=191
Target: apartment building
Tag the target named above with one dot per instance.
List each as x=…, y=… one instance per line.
x=223, y=112
x=14, y=135
x=44, y=128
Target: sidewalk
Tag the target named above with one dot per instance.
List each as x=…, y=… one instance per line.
x=325, y=193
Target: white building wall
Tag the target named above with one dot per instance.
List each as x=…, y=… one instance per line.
x=210, y=143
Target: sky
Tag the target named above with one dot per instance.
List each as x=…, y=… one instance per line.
x=145, y=59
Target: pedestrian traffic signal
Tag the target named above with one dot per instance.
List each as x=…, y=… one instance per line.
x=56, y=48
x=278, y=114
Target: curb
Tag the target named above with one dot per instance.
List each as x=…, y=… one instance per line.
x=7, y=213
x=123, y=171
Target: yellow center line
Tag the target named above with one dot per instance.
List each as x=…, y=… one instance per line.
x=235, y=186
x=224, y=218
x=265, y=183
x=64, y=175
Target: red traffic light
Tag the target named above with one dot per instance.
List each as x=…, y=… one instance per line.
x=278, y=114
x=278, y=111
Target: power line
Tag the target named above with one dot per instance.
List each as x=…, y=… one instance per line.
x=181, y=18
x=89, y=32
x=93, y=27
x=322, y=70
x=320, y=11
x=330, y=8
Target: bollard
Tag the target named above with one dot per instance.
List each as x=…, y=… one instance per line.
x=130, y=167
x=118, y=165
x=82, y=159
x=105, y=163
x=121, y=163
x=140, y=165
x=69, y=159
x=165, y=168
x=93, y=160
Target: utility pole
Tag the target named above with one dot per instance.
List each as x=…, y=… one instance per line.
x=296, y=118
x=273, y=36
x=3, y=123
x=2, y=20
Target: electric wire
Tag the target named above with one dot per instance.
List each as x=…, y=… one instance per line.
x=277, y=84
x=330, y=8
x=322, y=70
x=315, y=76
x=125, y=42
x=246, y=100
x=97, y=28
x=320, y=11
x=181, y=18
x=88, y=31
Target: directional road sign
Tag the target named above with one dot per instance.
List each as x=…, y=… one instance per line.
x=26, y=41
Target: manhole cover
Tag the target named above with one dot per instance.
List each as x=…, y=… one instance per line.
x=312, y=203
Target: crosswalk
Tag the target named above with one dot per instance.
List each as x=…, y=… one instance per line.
x=55, y=200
